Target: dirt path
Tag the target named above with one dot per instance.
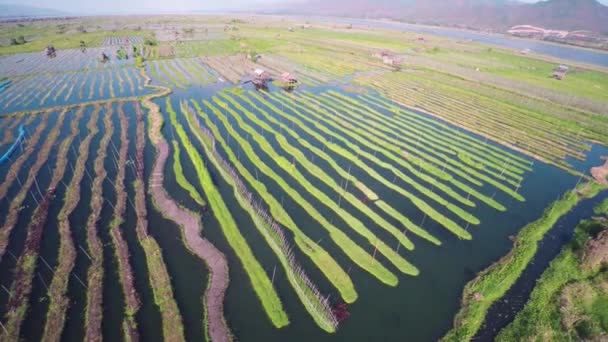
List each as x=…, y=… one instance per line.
x=600, y=173
x=191, y=224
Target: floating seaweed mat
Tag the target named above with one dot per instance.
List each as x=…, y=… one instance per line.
x=7, y=155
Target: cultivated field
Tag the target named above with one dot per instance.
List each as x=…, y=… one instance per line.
x=266, y=178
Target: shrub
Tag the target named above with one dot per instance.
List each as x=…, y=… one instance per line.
x=150, y=42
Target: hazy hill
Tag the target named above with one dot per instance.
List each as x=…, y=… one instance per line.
x=17, y=11
x=483, y=14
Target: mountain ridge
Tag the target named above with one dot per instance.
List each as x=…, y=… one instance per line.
x=22, y=11
x=496, y=15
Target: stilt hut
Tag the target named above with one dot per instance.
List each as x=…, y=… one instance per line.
x=260, y=77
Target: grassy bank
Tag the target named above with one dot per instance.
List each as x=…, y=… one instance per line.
x=492, y=283
x=570, y=300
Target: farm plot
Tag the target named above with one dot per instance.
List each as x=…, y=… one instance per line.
x=51, y=174
x=523, y=130
x=237, y=68
x=66, y=60
x=232, y=68
x=181, y=72
x=335, y=155
x=123, y=41
x=70, y=88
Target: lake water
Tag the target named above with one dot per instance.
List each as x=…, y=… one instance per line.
x=565, y=52
x=418, y=309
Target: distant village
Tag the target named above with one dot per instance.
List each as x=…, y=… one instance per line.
x=579, y=37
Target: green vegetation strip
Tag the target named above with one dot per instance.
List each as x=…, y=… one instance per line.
x=322, y=175
x=316, y=304
x=435, y=133
x=182, y=181
x=121, y=249
x=258, y=277
x=328, y=266
x=13, y=171
x=160, y=281
x=94, y=309
x=57, y=292
x=570, y=300
x=394, y=257
x=459, y=138
x=602, y=208
x=348, y=246
x=383, y=143
x=363, y=141
x=25, y=268
x=172, y=73
x=430, y=136
x=492, y=283
x=420, y=204
x=10, y=221
x=341, y=171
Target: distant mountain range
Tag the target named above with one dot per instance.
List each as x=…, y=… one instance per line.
x=497, y=15
x=20, y=11
x=478, y=14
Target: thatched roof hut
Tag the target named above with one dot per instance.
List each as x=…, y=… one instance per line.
x=260, y=77
x=288, y=78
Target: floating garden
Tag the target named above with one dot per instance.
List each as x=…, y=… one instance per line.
x=189, y=199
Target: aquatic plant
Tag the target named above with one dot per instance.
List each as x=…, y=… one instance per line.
x=568, y=301
x=92, y=87
x=160, y=281
x=537, y=134
x=328, y=266
x=181, y=179
x=26, y=264
x=259, y=279
x=411, y=147
x=362, y=139
x=13, y=172
x=455, y=142
x=81, y=88
x=13, y=212
x=63, y=87
x=320, y=174
x=420, y=204
x=69, y=93
x=102, y=85
x=57, y=292
x=121, y=86
x=315, y=303
x=348, y=246
x=289, y=167
x=129, y=80
x=51, y=90
x=94, y=310
x=493, y=282
x=7, y=124
x=342, y=172
x=190, y=223
x=121, y=249
x=171, y=74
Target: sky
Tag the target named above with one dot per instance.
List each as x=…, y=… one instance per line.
x=141, y=6
x=105, y=6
